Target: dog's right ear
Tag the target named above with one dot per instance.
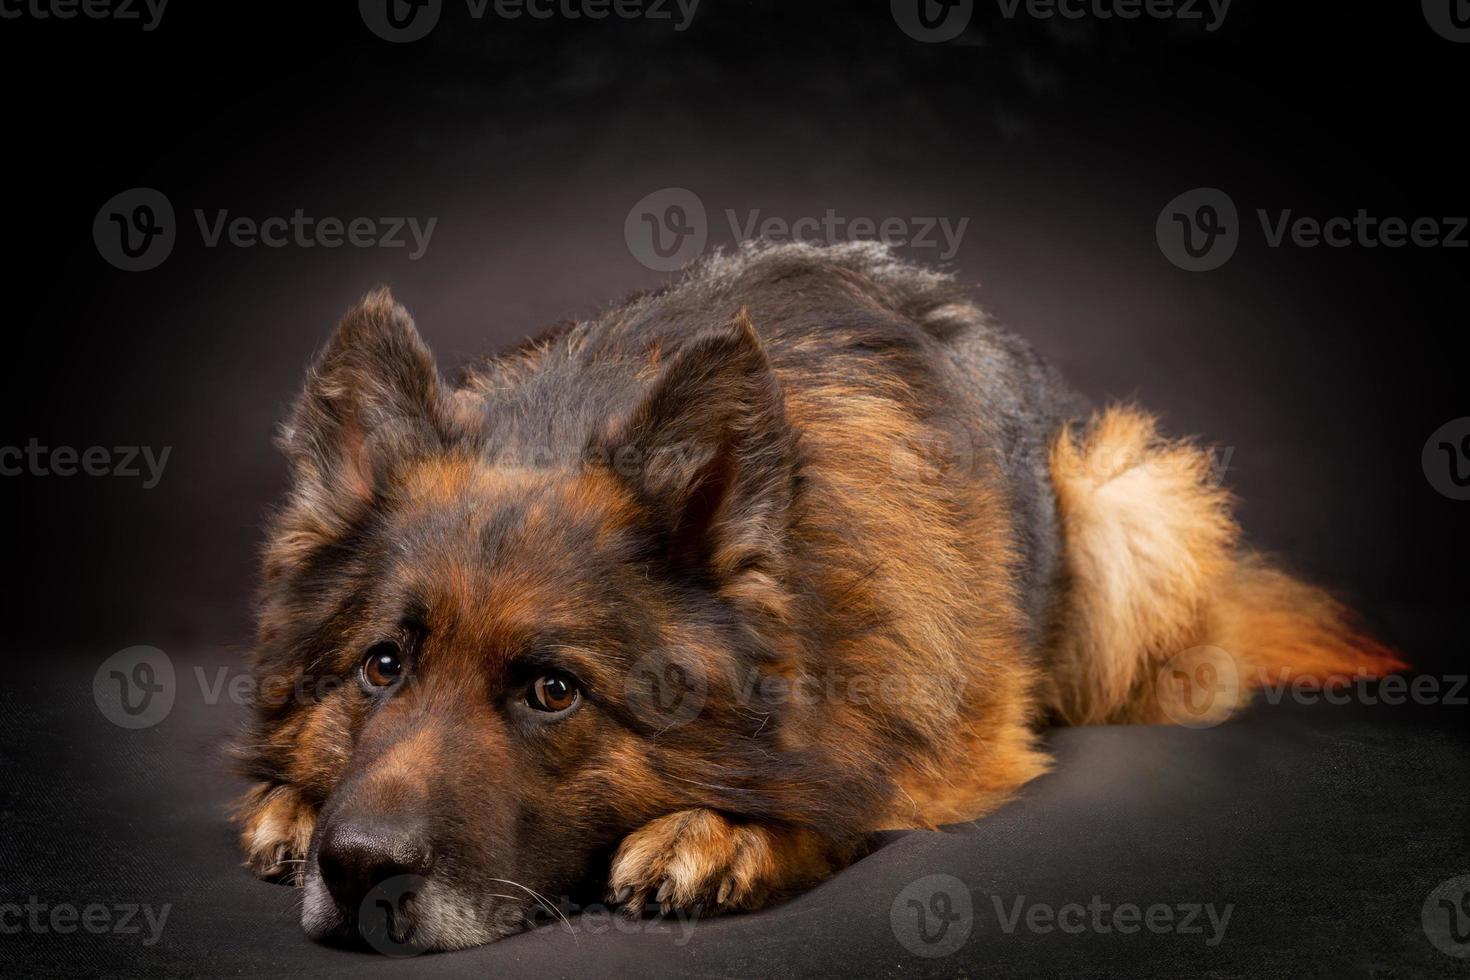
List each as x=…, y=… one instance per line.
x=372, y=398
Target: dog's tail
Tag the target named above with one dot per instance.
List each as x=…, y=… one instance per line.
x=1165, y=616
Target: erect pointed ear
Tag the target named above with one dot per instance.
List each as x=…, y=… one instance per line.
x=710, y=452
x=371, y=398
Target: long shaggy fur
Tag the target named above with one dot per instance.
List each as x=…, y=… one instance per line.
x=1156, y=570
x=883, y=537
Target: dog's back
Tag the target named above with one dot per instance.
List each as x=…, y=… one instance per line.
x=845, y=320
x=1039, y=558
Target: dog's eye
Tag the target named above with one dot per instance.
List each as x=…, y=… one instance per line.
x=553, y=693
x=383, y=665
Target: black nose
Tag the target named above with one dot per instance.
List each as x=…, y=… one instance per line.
x=357, y=857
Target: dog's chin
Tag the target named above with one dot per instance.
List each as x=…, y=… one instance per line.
x=434, y=917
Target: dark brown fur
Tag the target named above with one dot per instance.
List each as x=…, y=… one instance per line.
x=871, y=532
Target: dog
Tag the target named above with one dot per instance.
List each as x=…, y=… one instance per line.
x=678, y=606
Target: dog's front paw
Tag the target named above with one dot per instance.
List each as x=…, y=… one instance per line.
x=277, y=830
x=701, y=862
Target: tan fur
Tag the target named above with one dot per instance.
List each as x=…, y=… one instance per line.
x=700, y=858
x=277, y=828
x=936, y=547
x=1159, y=583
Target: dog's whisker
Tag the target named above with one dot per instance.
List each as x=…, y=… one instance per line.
x=543, y=900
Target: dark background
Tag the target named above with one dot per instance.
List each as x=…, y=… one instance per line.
x=1325, y=370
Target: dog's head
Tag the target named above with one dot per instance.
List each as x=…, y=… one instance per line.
x=505, y=624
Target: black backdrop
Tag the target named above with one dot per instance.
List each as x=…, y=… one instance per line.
x=1323, y=370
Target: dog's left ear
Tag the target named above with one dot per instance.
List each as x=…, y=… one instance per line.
x=710, y=452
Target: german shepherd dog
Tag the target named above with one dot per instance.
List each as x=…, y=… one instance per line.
x=677, y=606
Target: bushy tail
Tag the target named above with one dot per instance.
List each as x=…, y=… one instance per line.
x=1166, y=617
